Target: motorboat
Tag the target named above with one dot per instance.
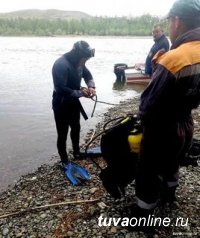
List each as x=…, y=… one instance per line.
x=131, y=74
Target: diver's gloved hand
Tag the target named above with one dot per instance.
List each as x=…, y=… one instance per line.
x=76, y=174
x=85, y=92
x=92, y=92
x=88, y=92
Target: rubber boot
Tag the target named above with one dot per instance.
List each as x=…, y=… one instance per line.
x=141, y=220
x=168, y=195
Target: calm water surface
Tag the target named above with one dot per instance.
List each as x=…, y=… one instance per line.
x=27, y=130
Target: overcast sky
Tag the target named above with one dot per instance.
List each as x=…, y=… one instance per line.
x=93, y=7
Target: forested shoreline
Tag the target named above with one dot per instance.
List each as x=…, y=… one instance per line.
x=95, y=26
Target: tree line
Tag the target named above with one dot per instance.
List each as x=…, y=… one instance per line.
x=101, y=26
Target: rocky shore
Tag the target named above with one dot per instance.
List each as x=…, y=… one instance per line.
x=44, y=204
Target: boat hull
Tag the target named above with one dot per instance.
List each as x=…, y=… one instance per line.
x=134, y=76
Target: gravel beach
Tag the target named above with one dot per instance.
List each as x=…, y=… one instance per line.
x=44, y=204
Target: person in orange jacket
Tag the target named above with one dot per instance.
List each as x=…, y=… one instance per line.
x=165, y=110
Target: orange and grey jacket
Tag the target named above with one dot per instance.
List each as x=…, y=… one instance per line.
x=175, y=87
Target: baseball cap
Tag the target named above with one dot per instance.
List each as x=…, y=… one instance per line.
x=187, y=9
x=84, y=49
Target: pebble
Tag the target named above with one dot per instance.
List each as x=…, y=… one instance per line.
x=19, y=234
x=128, y=236
x=93, y=190
x=102, y=205
x=43, y=215
x=70, y=233
x=5, y=231
x=113, y=230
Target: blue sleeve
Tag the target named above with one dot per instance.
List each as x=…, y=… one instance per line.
x=162, y=44
x=166, y=44
x=148, y=65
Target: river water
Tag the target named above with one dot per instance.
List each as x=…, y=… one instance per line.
x=27, y=129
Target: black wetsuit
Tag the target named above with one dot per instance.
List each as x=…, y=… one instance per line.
x=66, y=105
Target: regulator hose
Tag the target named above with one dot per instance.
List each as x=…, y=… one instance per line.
x=97, y=101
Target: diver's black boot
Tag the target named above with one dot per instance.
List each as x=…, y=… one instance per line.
x=168, y=195
x=141, y=220
x=64, y=159
x=79, y=155
x=76, y=150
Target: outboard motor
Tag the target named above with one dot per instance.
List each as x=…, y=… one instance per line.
x=119, y=72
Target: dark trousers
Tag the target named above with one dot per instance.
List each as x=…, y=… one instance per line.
x=159, y=160
x=67, y=116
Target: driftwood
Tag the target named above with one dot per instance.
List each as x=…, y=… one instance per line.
x=47, y=206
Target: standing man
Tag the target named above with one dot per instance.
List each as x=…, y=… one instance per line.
x=165, y=110
x=161, y=43
x=68, y=70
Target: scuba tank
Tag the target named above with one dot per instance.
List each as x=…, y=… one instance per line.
x=121, y=160
x=134, y=140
